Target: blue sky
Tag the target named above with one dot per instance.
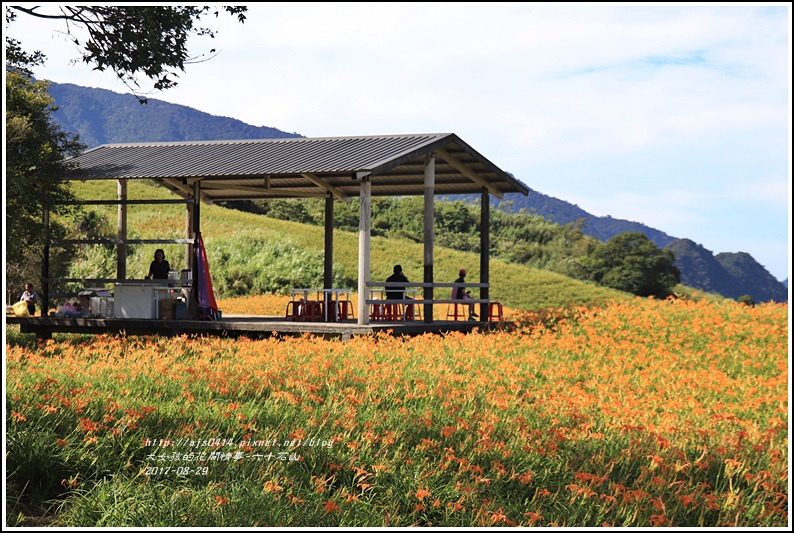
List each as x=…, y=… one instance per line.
x=677, y=116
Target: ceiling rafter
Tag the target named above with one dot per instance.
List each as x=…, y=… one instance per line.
x=338, y=194
x=466, y=171
x=182, y=189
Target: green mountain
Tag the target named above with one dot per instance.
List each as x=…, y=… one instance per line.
x=741, y=266
x=726, y=273
x=105, y=117
x=101, y=117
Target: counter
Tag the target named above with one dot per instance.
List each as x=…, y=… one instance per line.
x=142, y=300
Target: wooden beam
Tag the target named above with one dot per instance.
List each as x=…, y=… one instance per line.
x=186, y=189
x=126, y=202
x=273, y=195
x=328, y=187
x=86, y=281
x=229, y=191
x=466, y=171
x=122, y=241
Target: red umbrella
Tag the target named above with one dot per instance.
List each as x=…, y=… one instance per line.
x=206, y=296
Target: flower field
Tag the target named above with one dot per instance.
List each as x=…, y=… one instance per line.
x=634, y=413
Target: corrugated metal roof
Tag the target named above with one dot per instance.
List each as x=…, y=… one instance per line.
x=301, y=167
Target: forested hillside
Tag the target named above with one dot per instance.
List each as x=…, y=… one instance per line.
x=561, y=212
x=725, y=273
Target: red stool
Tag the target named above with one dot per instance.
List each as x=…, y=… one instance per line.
x=345, y=310
x=452, y=311
x=376, y=314
x=312, y=311
x=391, y=312
x=293, y=313
x=495, y=311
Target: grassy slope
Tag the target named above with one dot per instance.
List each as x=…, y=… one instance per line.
x=517, y=286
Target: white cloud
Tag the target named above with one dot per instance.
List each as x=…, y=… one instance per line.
x=673, y=211
x=766, y=190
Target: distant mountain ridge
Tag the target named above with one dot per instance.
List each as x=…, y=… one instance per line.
x=105, y=117
x=729, y=274
x=561, y=212
x=101, y=117
x=725, y=273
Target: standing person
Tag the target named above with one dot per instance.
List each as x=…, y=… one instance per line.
x=31, y=297
x=159, y=268
x=460, y=293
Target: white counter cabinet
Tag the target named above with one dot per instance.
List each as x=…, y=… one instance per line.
x=134, y=300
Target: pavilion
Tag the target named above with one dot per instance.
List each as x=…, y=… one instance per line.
x=334, y=168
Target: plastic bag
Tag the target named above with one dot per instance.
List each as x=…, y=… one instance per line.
x=21, y=309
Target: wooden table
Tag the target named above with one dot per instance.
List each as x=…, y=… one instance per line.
x=306, y=308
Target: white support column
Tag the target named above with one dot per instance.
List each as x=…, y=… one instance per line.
x=429, y=233
x=364, y=226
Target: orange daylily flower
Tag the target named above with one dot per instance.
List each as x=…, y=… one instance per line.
x=330, y=506
x=272, y=486
x=421, y=494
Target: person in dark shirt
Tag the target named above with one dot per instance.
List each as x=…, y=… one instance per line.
x=159, y=268
x=396, y=293
x=460, y=293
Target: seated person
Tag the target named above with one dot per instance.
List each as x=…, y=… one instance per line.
x=459, y=293
x=398, y=293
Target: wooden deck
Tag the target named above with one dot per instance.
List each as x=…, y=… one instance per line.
x=237, y=325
